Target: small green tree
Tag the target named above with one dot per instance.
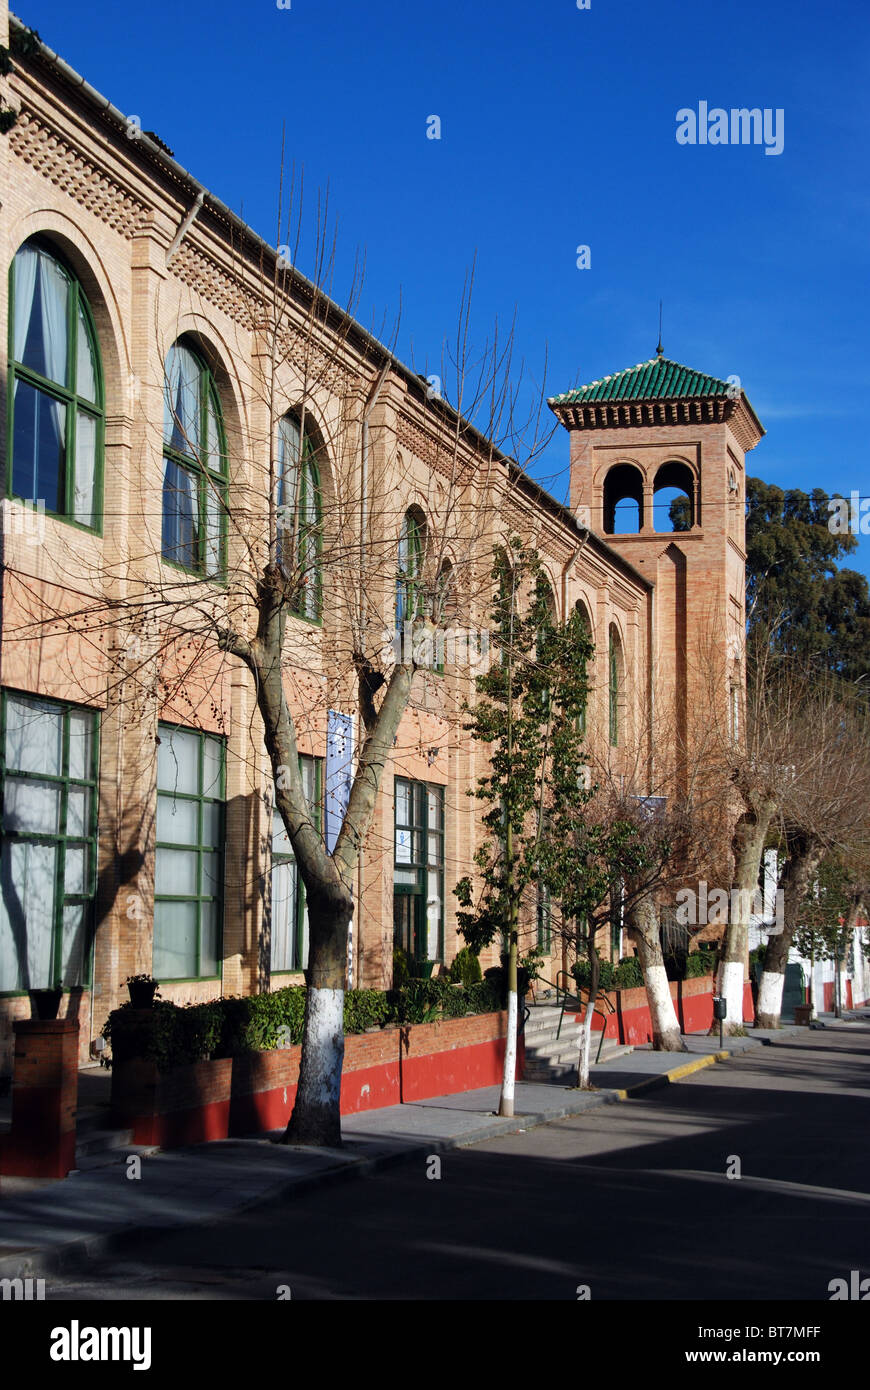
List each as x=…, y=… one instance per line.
x=826, y=917
x=605, y=861
x=528, y=711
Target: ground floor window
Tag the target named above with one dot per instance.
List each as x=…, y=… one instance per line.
x=188, y=885
x=418, y=874
x=289, y=909
x=48, y=759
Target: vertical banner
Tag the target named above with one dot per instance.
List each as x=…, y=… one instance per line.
x=339, y=774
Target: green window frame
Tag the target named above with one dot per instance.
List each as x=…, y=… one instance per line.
x=189, y=857
x=613, y=692
x=409, y=588
x=418, y=871
x=195, y=482
x=55, y=390
x=49, y=842
x=299, y=510
x=289, y=910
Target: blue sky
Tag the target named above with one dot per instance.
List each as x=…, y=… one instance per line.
x=557, y=129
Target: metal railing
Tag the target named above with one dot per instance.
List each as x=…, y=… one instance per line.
x=577, y=1000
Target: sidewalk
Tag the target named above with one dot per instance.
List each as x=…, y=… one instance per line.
x=49, y=1226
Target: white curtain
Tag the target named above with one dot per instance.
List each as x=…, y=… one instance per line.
x=174, y=954
x=54, y=299
x=178, y=761
x=213, y=527
x=287, y=484
x=86, y=376
x=26, y=265
x=283, y=915
x=181, y=401
x=180, y=514
x=27, y=874
x=86, y=448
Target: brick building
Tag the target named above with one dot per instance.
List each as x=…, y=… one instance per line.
x=141, y=446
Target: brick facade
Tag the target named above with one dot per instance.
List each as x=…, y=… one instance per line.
x=112, y=209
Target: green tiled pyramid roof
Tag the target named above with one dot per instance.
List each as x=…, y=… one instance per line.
x=656, y=380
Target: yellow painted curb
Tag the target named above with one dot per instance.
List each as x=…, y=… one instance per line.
x=676, y=1073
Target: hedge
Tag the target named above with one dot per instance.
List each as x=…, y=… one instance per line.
x=172, y=1035
x=628, y=974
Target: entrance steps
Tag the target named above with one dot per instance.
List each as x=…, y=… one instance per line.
x=552, y=1059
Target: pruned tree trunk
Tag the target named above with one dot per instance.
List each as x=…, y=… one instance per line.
x=509, y=1072
x=644, y=928
x=316, y=1117
x=748, y=844
x=800, y=869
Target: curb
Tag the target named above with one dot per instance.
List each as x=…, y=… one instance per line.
x=654, y=1083
x=32, y=1262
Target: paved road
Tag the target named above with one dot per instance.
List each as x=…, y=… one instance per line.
x=632, y=1200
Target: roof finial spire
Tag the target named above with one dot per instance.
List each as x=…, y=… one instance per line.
x=660, y=349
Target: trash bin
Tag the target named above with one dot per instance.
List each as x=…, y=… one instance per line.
x=802, y=1014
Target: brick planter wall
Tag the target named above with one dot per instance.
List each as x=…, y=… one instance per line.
x=42, y=1141
x=255, y=1092
x=630, y=1021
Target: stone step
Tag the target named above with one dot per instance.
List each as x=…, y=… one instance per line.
x=563, y=1071
x=94, y=1141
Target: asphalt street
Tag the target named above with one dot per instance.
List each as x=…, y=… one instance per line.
x=748, y=1180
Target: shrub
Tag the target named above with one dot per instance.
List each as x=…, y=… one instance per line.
x=582, y=972
x=173, y=1035
x=628, y=974
x=700, y=963
x=401, y=973
x=365, y=1008
x=465, y=969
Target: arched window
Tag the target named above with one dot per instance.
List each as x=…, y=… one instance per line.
x=55, y=390
x=409, y=588
x=623, y=500
x=299, y=517
x=674, y=491
x=194, y=466
x=448, y=606
x=613, y=688
x=583, y=622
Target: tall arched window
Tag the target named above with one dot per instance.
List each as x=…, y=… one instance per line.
x=613, y=689
x=586, y=627
x=56, y=401
x=194, y=465
x=299, y=517
x=409, y=589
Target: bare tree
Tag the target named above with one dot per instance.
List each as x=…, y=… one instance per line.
x=310, y=507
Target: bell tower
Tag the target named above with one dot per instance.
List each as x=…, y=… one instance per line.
x=647, y=431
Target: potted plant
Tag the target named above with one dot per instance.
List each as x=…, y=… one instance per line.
x=142, y=989
x=45, y=1003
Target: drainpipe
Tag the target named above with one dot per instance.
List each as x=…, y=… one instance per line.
x=569, y=564
x=182, y=231
x=363, y=518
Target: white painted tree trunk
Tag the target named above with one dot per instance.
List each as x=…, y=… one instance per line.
x=585, y=1045
x=770, y=993
x=506, y=1104
x=319, y=1088
x=643, y=921
x=731, y=978
x=663, y=1015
